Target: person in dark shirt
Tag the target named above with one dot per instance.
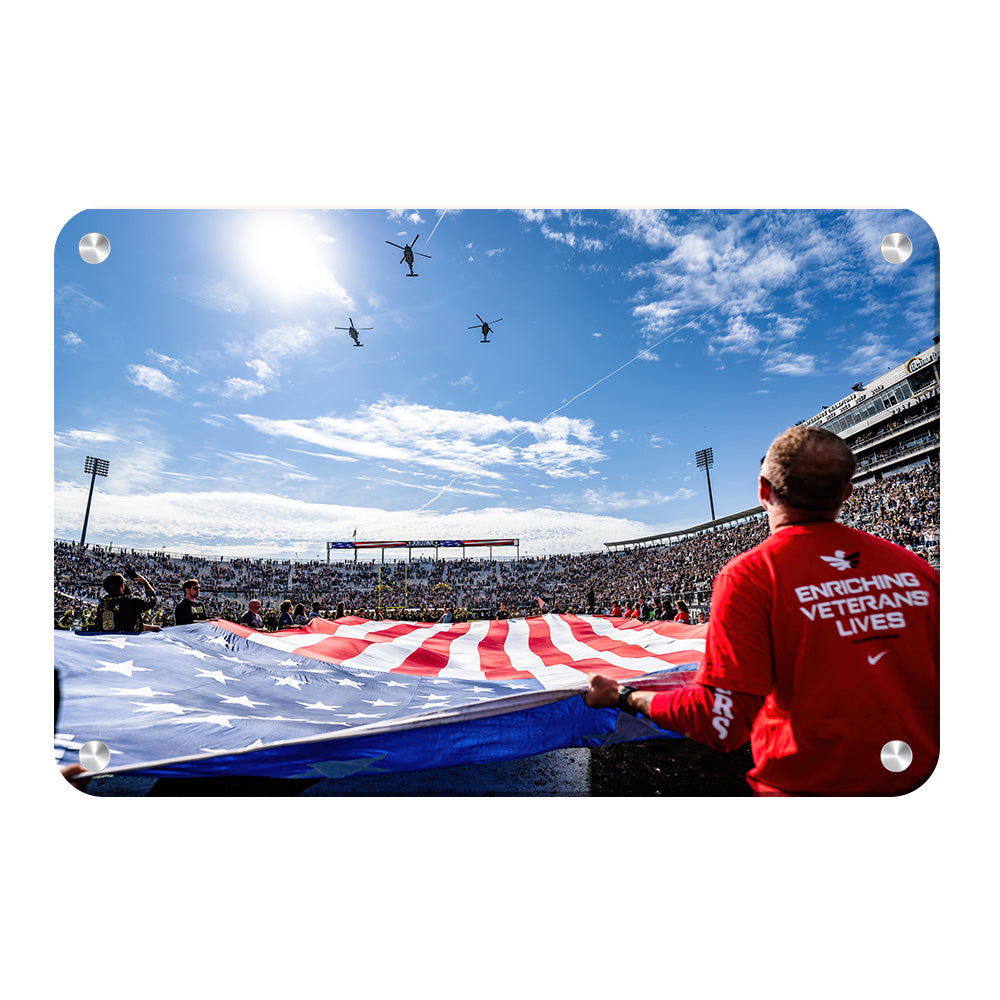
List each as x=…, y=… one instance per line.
x=118, y=611
x=252, y=616
x=190, y=609
x=285, y=619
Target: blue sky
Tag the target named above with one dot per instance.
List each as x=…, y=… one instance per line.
x=201, y=360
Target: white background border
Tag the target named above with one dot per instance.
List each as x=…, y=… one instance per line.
x=427, y=104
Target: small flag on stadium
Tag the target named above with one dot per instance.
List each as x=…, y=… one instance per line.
x=334, y=698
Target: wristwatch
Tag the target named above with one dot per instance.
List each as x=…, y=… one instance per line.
x=623, y=692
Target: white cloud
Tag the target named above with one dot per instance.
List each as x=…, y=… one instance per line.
x=538, y=214
x=152, y=379
x=786, y=363
x=72, y=298
x=243, y=388
x=647, y=226
x=429, y=488
x=464, y=443
x=242, y=456
x=788, y=327
x=74, y=438
x=740, y=336
x=324, y=454
x=268, y=526
x=870, y=357
x=751, y=269
x=410, y=215
x=137, y=449
x=173, y=364
x=283, y=341
x=657, y=317
x=568, y=238
x=619, y=500
x=261, y=369
x=72, y=339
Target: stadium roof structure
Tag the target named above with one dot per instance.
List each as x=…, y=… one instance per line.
x=446, y=543
x=694, y=530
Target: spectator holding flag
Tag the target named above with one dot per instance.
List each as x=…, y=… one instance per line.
x=822, y=647
x=252, y=617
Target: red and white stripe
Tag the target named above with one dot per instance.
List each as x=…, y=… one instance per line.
x=558, y=651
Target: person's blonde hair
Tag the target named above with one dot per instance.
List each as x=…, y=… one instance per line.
x=809, y=468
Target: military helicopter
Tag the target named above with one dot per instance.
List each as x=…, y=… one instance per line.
x=353, y=331
x=485, y=327
x=408, y=254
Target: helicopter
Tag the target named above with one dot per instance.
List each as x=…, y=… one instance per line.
x=353, y=331
x=408, y=254
x=484, y=327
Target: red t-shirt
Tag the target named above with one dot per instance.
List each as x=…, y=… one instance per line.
x=839, y=630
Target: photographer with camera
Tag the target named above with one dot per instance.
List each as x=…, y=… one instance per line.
x=118, y=611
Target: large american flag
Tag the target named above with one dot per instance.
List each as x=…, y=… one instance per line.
x=336, y=698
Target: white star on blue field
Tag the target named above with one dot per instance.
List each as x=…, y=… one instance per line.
x=205, y=360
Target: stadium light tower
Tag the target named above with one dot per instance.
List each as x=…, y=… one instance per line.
x=704, y=460
x=96, y=467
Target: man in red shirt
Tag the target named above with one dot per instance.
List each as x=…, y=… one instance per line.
x=822, y=648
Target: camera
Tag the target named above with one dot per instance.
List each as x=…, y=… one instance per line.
x=130, y=572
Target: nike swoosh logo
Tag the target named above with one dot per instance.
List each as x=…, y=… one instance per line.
x=874, y=659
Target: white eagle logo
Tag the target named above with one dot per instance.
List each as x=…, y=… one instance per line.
x=841, y=560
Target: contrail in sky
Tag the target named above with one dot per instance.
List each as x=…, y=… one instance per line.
x=641, y=354
x=444, y=212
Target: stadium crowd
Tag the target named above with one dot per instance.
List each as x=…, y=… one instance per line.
x=909, y=415
x=904, y=509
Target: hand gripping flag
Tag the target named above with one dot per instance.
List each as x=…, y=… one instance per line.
x=335, y=698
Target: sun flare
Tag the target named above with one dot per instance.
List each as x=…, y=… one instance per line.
x=285, y=258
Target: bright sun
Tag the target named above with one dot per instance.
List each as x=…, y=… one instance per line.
x=285, y=258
